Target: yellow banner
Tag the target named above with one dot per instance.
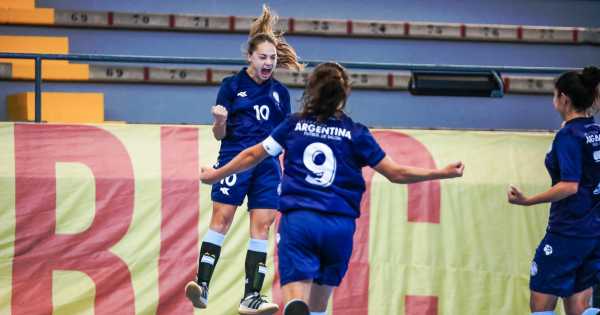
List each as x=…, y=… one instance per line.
x=108, y=219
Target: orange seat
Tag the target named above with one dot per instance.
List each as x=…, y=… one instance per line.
x=58, y=107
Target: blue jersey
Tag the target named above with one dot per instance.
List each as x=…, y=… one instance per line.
x=323, y=162
x=575, y=157
x=254, y=110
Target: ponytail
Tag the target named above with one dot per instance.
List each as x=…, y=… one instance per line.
x=582, y=88
x=261, y=31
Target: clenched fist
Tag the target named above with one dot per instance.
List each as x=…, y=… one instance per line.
x=219, y=114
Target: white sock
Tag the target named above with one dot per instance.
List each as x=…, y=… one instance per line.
x=214, y=237
x=257, y=245
x=323, y=313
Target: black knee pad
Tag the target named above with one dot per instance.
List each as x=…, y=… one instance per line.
x=296, y=307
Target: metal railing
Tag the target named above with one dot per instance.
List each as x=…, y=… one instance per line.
x=228, y=61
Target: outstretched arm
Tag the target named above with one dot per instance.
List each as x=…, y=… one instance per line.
x=557, y=192
x=402, y=174
x=243, y=161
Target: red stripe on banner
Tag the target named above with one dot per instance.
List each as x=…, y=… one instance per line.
x=179, y=217
x=463, y=31
x=291, y=25
x=506, y=84
x=390, y=80
x=520, y=33
x=352, y=297
x=349, y=27
x=209, y=75
x=38, y=249
x=171, y=20
x=575, y=35
x=406, y=29
x=424, y=201
x=420, y=305
x=146, y=74
x=232, y=23
x=111, y=18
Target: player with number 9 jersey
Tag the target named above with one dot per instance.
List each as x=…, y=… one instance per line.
x=322, y=187
x=323, y=163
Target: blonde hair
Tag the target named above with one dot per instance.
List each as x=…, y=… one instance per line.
x=261, y=31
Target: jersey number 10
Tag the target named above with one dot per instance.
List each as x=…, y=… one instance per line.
x=262, y=112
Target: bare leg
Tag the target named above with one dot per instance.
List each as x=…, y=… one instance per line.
x=540, y=302
x=319, y=297
x=260, y=222
x=578, y=302
x=222, y=216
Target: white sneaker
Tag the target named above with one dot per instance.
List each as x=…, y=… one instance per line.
x=256, y=304
x=197, y=294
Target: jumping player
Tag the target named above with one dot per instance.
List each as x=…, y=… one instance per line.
x=249, y=105
x=321, y=188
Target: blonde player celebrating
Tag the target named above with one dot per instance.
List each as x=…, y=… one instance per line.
x=321, y=187
x=250, y=104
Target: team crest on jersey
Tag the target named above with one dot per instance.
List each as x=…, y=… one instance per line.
x=276, y=96
x=534, y=269
x=597, y=190
x=548, y=250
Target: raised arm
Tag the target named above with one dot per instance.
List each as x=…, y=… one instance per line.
x=402, y=174
x=219, y=127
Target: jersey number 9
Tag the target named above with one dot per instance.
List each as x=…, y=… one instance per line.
x=324, y=171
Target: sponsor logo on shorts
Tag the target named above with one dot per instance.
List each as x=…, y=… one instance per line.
x=548, y=250
x=534, y=269
x=225, y=191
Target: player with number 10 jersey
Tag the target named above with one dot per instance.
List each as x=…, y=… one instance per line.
x=321, y=187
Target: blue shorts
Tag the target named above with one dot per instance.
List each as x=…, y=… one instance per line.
x=259, y=183
x=314, y=246
x=565, y=265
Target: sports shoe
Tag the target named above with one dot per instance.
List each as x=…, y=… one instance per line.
x=197, y=294
x=255, y=304
x=296, y=307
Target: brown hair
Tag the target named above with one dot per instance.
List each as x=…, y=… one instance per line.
x=326, y=91
x=261, y=31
